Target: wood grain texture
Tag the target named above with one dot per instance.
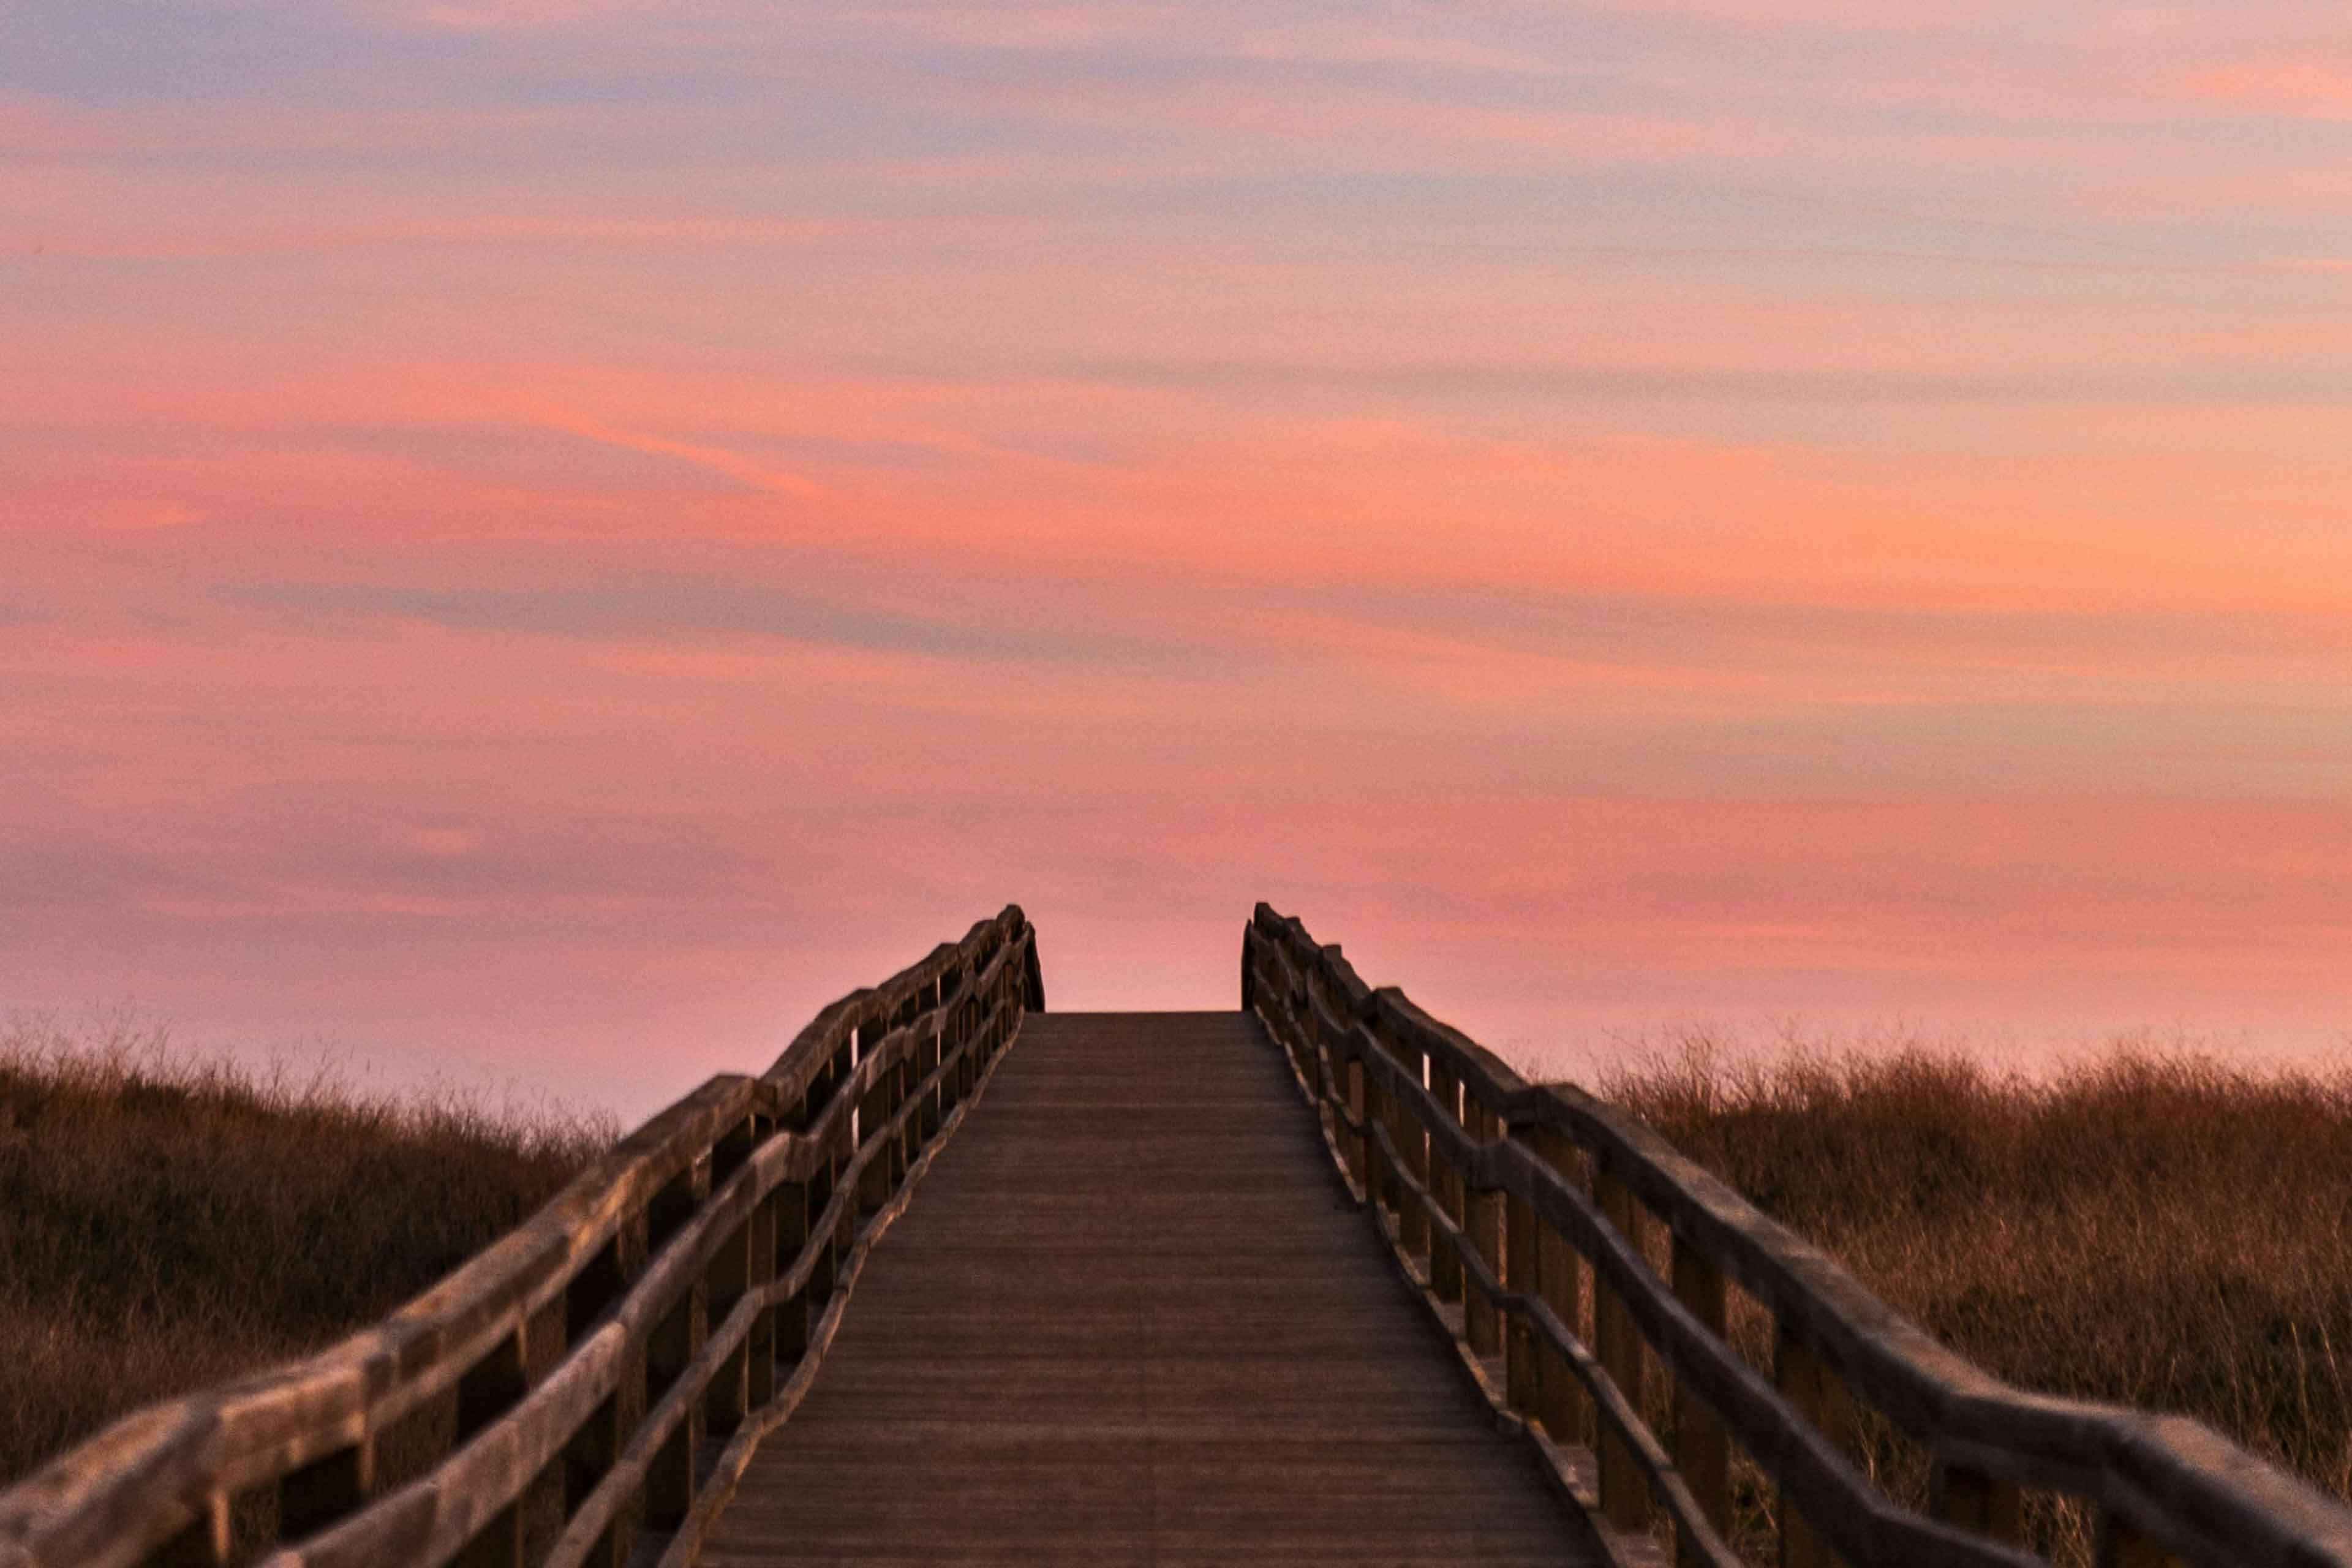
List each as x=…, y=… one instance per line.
x=1140, y=1316
x=1133, y=1318
x=153, y=1489
x=2165, y=1481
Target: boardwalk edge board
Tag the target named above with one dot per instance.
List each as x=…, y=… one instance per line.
x=1509, y=1204
x=588, y=1391
x=575, y=1388
x=727, y=1470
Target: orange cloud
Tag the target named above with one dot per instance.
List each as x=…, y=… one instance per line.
x=718, y=459
x=583, y=540
x=2305, y=88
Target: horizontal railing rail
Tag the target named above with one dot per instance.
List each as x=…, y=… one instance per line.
x=587, y=1390
x=1515, y=1204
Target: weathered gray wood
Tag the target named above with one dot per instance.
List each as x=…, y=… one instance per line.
x=1522, y=1275
x=2167, y=1484
x=1702, y=1446
x=622, y=1352
x=685, y=1544
x=654, y=1478
x=1821, y=1399
x=1624, y=1491
x=1782, y=1439
x=1562, y=1286
x=1444, y=1259
x=1482, y=1224
x=1617, y=1415
x=151, y=1489
x=1130, y=1316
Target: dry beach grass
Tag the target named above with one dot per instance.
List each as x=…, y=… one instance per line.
x=165, y=1225
x=2152, y=1226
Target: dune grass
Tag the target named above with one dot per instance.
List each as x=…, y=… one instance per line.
x=167, y=1223
x=2151, y=1225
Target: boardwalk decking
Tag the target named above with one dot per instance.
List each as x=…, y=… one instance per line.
x=1121, y=1310
x=1129, y=1318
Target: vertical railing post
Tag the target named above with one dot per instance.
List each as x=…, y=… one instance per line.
x=1330, y=1075
x=845, y=1059
x=1560, y=1268
x=760, y=1385
x=1522, y=1273
x=670, y=1480
x=976, y=1042
x=975, y=1037
x=596, y=1447
x=844, y=1227
x=1624, y=1491
x=1396, y=1117
x=950, y=1093
x=676, y=1340
x=591, y=1453
x=1702, y=1446
x=1808, y=1384
x=1376, y=1173
x=1444, y=1260
x=203, y=1542
x=1297, y=999
x=1412, y=1143
x=795, y=1214
x=1300, y=1045
x=926, y=1062
x=1359, y=1141
x=1481, y=1323
x=485, y=1392
x=901, y=1078
x=726, y=1282
x=968, y=1039
x=877, y=1180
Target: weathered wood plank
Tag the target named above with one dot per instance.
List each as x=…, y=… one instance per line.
x=1132, y=1317
x=2163, y=1483
x=637, y=1240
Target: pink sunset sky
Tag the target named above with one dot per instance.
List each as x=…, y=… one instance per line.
x=544, y=540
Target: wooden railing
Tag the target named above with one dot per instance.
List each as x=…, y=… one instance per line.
x=588, y=1390
x=1515, y=1210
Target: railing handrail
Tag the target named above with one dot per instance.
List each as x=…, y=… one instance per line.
x=535, y=1337
x=2168, y=1480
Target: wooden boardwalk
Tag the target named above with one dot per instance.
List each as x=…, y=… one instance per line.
x=1130, y=1317
x=958, y=1281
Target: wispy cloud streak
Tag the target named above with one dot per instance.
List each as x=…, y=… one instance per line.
x=572, y=529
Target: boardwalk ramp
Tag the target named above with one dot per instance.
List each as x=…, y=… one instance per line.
x=1132, y=1317
x=957, y=1280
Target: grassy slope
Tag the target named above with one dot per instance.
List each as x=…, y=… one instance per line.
x=2150, y=1227
x=165, y=1226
